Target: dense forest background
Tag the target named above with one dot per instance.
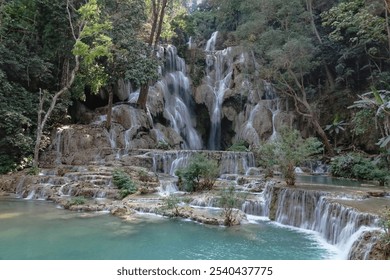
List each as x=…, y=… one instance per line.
x=330, y=58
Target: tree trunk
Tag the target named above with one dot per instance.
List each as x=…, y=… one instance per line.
x=309, y=5
x=160, y=23
x=143, y=97
x=322, y=134
x=154, y=36
x=41, y=124
x=154, y=24
x=109, y=108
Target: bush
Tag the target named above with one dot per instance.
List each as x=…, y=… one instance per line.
x=288, y=151
x=229, y=201
x=162, y=145
x=385, y=238
x=171, y=202
x=200, y=174
x=124, y=183
x=355, y=166
x=240, y=146
x=80, y=200
x=267, y=158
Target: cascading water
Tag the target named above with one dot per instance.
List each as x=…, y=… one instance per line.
x=112, y=138
x=219, y=74
x=312, y=210
x=132, y=131
x=58, y=146
x=229, y=162
x=176, y=89
x=274, y=106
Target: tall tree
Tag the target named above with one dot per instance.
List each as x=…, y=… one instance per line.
x=91, y=43
x=290, y=67
x=157, y=19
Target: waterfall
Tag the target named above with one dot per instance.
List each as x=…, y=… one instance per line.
x=210, y=45
x=236, y=162
x=168, y=162
x=249, y=132
x=218, y=77
x=312, y=210
x=132, y=131
x=19, y=187
x=274, y=106
x=260, y=205
x=112, y=138
x=58, y=146
x=175, y=86
x=167, y=187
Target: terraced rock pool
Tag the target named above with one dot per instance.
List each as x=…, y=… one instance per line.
x=36, y=230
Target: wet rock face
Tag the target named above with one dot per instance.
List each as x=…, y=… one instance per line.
x=368, y=247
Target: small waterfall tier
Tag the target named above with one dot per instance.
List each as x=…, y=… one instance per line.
x=168, y=162
x=176, y=89
x=338, y=224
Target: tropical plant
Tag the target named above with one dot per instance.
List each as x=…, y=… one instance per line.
x=335, y=128
x=377, y=101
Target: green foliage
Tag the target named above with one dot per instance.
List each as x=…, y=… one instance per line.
x=171, y=202
x=240, y=146
x=290, y=149
x=335, y=128
x=354, y=21
x=229, y=200
x=80, y=200
x=362, y=122
x=377, y=102
x=93, y=44
x=267, y=158
x=124, y=183
x=162, y=145
x=33, y=171
x=358, y=37
x=199, y=175
x=356, y=166
x=385, y=238
x=16, y=123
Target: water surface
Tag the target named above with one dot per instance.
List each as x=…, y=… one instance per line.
x=36, y=230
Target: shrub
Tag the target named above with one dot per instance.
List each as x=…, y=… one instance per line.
x=385, y=238
x=80, y=200
x=162, y=145
x=356, y=166
x=143, y=176
x=288, y=151
x=171, y=202
x=124, y=183
x=229, y=201
x=240, y=146
x=267, y=158
x=200, y=174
